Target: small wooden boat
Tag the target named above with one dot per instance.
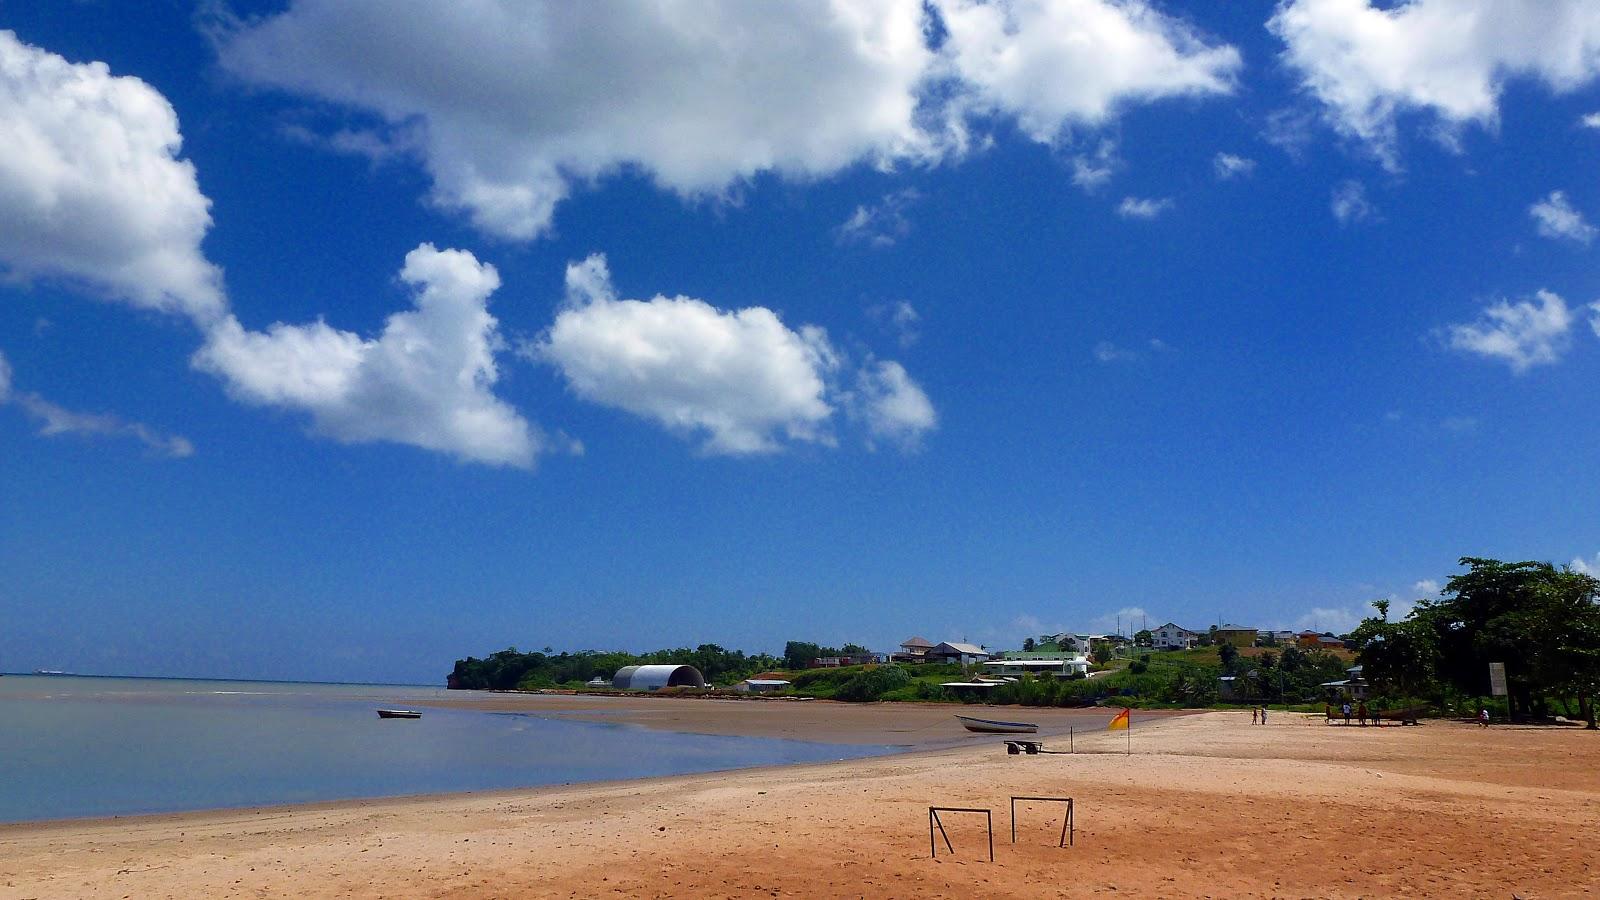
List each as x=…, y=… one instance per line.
x=399, y=714
x=989, y=726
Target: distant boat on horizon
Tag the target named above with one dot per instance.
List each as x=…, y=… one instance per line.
x=399, y=714
x=50, y=672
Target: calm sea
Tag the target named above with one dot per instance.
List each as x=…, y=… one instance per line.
x=75, y=746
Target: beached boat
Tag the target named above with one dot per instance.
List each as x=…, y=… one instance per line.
x=399, y=714
x=989, y=726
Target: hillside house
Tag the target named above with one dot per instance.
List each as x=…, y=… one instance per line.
x=913, y=650
x=1237, y=635
x=965, y=654
x=1172, y=636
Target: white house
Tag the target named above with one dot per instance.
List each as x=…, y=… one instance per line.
x=1078, y=643
x=1172, y=636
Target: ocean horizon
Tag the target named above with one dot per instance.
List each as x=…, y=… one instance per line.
x=86, y=746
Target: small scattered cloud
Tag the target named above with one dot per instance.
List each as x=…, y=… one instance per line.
x=1350, y=202
x=55, y=421
x=1228, y=166
x=1091, y=171
x=1337, y=619
x=1291, y=130
x=893, y=406
x=900, y=318
x=1558, y=220
x=1524, y=334
x=1427, y=587
x=1592, y=120
x=1130, y=618
x=367, y=143
x=1586, y=566
x=1108, y=353
x=1143, y=207
x=881, y=224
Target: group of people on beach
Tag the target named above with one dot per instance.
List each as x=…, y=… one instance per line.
x=1360, y=710
x=1258, y=715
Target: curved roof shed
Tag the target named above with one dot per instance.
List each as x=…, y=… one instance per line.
x=654, y=678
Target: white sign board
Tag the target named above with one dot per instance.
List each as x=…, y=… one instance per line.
x=1497, y=679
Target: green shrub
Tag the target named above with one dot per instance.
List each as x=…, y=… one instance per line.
x=872, y=683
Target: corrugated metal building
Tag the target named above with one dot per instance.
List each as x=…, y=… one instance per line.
x=654, y=678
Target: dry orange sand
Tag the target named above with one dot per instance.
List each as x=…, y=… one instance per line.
x=1207, y=805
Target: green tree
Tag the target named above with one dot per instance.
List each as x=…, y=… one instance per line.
x=1143, y=638
x=1229, y=655
x=1028, y=645
x=1101, y=653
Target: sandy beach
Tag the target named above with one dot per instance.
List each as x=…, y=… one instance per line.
x=1206, y=805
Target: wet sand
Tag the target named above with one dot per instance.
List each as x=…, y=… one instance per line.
x=1206, y=806
x=919, y=725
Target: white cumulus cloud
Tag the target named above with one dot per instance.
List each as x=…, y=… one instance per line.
x=1523, y=334
x=426, y=380
x=1057, y=63
x=1368, y=63
x=92, y=189
x=1557, y=219
x=741, y=380
x=513, y=104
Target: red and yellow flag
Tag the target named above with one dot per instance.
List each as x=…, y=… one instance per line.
x=1120, y=722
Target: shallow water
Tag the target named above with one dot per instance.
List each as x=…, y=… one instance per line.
x=76, y=746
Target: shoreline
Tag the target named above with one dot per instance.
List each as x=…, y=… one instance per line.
x=1206, y=805
x=899, y=728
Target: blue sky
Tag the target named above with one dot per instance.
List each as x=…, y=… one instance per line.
x=341, y=340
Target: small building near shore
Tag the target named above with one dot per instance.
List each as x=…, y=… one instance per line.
x=654, y=678
x=761, y=685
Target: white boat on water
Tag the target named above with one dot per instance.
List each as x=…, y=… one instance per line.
x=990, y=726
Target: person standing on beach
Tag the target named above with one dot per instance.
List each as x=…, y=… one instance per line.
x=1346, y=710
x=1263, y=715
x=1361, y=713
x=1254, y=715
x=1483, y=717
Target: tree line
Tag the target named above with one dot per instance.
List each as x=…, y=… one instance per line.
x=511, y=669
x=1541, y=622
